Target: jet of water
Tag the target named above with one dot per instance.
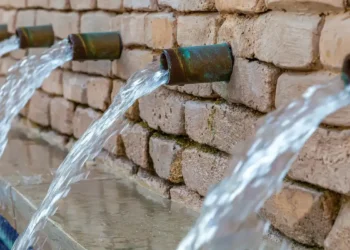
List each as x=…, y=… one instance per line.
x=89, y=145
x=9, y=45
x=229, y=217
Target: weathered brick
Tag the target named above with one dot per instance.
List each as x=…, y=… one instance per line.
x=59, y=4
x=288, y=40
x=166, y=154
x=306, y=5
x=169, y=116
x=202, y=168
x=186, y=197
x=25, y=110
x=115, y=145
x=160, y=30
x=189, y=5
x=44, y=17
x=135, y=139
x=252, y=84
x=246, y=6
x=39, y=108
x=103, y=67
x=292, y=85
x=18, y=54
x=38, y=3
x=197, y=89
x=141, y=4
x=75, y=87
x=6, y=64
x=53, y=84
x=25, y=18
x=133, y=29
x=302, y=213
x=61, y=114
x=131, y=61
x=117, y=166
x=153, y=183
x=219, y=125
x=8, y=17
x=99, y=92
x=110, y=4
x=98, y=21
x=324, y=160
x=83, y=118
x=65, y=23
x=334, y=40
x=197, y=29
x=17, y=3
x=83, y=4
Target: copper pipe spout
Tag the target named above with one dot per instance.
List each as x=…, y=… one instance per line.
x=36, y=36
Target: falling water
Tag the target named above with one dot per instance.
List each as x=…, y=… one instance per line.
x=229, y=217
x=9, y=45
x=89, y=145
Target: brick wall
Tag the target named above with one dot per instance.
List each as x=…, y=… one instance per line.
x=181, y=138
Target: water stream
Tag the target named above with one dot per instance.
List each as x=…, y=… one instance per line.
x=9, y=45
x=229, y=217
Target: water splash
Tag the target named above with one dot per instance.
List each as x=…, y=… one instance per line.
x=9, y=45
x=89, y=145
x=229, y=216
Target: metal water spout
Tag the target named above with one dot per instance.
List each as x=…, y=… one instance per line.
x=96, y=46
x=4, y=34
x=36, y=36
x=345, y=75
x=198, y=64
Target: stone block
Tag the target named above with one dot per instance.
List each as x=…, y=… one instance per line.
x=103, y=67
x=219, y=125
x=186, y=197
x=160, y=30
x=44, y=17
x=153, y=183
x=288, y=40
x=18, y=54
x=83, y=118
x=38, y=3
x=59, y=4
x=97, y=21
x=25, y=110
x=319, y=6
x=114, y=5
x=25, y=18
x=6, y=64
x=65, y=23
x=83, y=4
x=8, y=17
x=245, y=6
x=203, y=167
x=252, y=84
x=62, y=114
x=99, y=92
x=189, y=5
x=198, y=89
x=302, y=213
x=166, y=154
x=53, y=84
x=165, y=110
x=115, y=145
x=39, y=108
x=197, y=29
x=17, y=4
x=141, y=4
x=133, y=29
x=75, y=87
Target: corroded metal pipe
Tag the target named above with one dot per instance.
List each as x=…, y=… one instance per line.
x=96, y=46
x=198, y=64
x=345, y=75
x=36, y=36
x=4, y=34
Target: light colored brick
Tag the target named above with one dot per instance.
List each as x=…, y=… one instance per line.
x=118, y=166
x=25, y=18
x=135, y=139
x=292, y=85
x=17, y=4
x=197, y=29
x=117, y=22
x=4, y=3
x=18, y=54
x=75, y=87
x=39, y=108
x=59, y=4
x=166, y=154
x=252, y=84
x=324, y=160
x=197, y=89
x=153, y=183
x=219, y=125
x=334, y=40
x=133, y=29
x=203, y=167
x=8, y=17
x=189, y=5
x=98, y=21
x=99, y=92
x=246, y=6
x=141, y=4
x=6, y=64
x=288, y=40
x=103, y=67
x=38, y=3
x=65, y=23
x=25, y=110
x=115, y=145
x=306, y=5
x=186, y=197
x=302, y=213
x=62, y=114
x=83, y=118
x=169, y=117
x=131, y=61
x=53, y=84
x=83, y=4
x=116, y=85
x=239, y=32
x=44, y=17
x=110, y=4
x=160, y=30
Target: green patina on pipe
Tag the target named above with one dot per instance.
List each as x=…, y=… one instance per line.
x=96, y=46
x=36, y=36
x=198, y=64
x=4, y=34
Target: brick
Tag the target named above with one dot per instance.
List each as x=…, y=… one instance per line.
x=25, y=18
x=252, y=84
x=59, y=4
x=17, y=3
x=197, y=29
x=53, y=84
x=117, y=22
x=6, y=64
x=38, y=3
x=133, y=29
x=187, y=197
x=65, y=23
x=160, y=30
x=141, y=4
x=110, y=4
x=324, y=6
x=324, y=160
x=131, y=61
x=245, y=6
x=338, y=238
x=83, y=118
x=25, y=110
x=302, y=213
x=117, y=166
x=168, y=117
x=39, y=108
x=62, y=114
x=166, y=154
x=18, y=54
x=292, y=85
x=153, y=183
x=298, y=33
x=103, y=67
x=334, y=38
x=99, y=92
x=83, y=4
x=116, y=85
x=98, y=21
x=8, y=17
x=75, y=87
x=219, y=125
x=189, y=5
x=44, y=17
x=203, y=168
x=115, y=145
